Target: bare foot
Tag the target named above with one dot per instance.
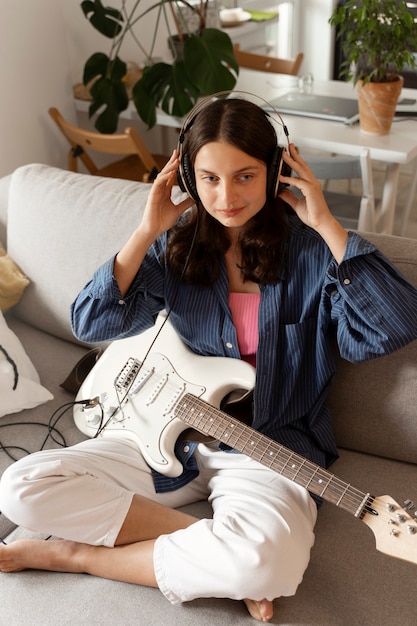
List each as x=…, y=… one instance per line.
x=262, y=610
x=56, y=556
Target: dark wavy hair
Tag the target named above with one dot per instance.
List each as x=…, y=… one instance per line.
x=246, y=126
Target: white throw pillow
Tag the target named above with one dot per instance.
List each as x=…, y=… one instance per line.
x=20, y=386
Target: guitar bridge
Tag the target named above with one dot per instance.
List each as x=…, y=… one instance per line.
x=128, y=379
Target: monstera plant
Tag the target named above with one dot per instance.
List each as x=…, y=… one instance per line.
x=206, y=64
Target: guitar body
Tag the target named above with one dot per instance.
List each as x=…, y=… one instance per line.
x=139, y=402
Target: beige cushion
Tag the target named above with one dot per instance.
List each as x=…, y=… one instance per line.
x=12, y=281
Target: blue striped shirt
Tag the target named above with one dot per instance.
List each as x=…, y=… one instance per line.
x=363, y=302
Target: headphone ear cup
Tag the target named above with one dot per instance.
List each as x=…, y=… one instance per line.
x=186, y=179
x=277, y=167
x=273, y=173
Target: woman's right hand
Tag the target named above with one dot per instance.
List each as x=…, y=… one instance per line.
x=160, y=212
x=160, y=215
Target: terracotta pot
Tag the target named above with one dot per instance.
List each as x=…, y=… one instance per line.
x=377, y=102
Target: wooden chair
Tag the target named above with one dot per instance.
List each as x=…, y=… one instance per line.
x=265, y=63
x=138, y=164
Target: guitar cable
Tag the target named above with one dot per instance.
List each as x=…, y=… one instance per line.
x=53, y=434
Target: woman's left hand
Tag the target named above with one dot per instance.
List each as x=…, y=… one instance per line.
x=312, y=207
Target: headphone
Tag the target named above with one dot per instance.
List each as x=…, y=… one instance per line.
x=185, y=175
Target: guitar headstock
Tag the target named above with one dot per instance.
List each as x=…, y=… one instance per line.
x=394, y=528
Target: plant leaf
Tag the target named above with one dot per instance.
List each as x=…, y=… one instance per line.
x=108, y=21
x=167, y=86
x=96, y=65
x=144, y=103
x=209, y=61
x=108, y=91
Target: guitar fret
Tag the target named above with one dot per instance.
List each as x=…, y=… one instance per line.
x=215, y=423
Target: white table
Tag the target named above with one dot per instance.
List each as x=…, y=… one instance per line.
x=397, y=148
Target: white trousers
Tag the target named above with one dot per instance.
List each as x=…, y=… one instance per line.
x=257, y=545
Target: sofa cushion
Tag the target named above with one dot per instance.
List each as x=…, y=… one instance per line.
x=373, y=404
x=4, y=199
x=20, y=386
x=61, y=227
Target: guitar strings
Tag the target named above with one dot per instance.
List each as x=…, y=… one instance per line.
x=344, y=493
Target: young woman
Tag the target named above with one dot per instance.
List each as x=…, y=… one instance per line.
x=244, y=274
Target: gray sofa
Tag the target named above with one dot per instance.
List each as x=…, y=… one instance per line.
x=59, y=227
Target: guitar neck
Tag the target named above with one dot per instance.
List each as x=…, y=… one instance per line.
x=213, y=422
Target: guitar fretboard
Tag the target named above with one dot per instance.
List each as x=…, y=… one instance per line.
x=213, y=422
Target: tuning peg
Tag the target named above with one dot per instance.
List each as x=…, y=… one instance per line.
x=409, y=505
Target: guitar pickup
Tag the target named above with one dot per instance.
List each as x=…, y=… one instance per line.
x=157, y=389
x=175, y=398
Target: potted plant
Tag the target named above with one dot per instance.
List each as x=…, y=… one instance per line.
x=207, y=64
x=378, y=38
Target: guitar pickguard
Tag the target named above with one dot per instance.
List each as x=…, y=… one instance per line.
x=141, y=404
x=137, y=400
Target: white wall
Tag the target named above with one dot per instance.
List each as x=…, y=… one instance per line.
x=35, y=74
x=84, y=40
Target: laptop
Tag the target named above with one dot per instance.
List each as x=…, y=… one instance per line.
x=406, y=107
x=331, y=107
x=313, y=105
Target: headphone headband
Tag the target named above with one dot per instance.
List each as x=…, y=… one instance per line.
x=185, y=177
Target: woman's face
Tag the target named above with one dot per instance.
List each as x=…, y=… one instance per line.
x=231, y=184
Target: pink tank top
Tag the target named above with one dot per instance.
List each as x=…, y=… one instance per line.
x=244, y=308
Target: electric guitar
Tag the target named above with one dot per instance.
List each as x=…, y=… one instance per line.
x=144, y=393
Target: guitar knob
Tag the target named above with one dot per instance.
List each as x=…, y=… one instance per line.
x=109, y=410
x=412, y=529
x=391, y=507
x=401, y=518
x=93, y=419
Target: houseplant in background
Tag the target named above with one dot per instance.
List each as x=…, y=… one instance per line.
x=207, y=64
x=378, y=39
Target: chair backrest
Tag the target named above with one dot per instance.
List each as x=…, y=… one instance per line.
x=346, y=167
x=126, y=143
x=265, y=63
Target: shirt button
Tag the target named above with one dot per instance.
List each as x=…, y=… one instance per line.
x=186, y=448
x=229, y=345
x=346, y=281
x=121, y=301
